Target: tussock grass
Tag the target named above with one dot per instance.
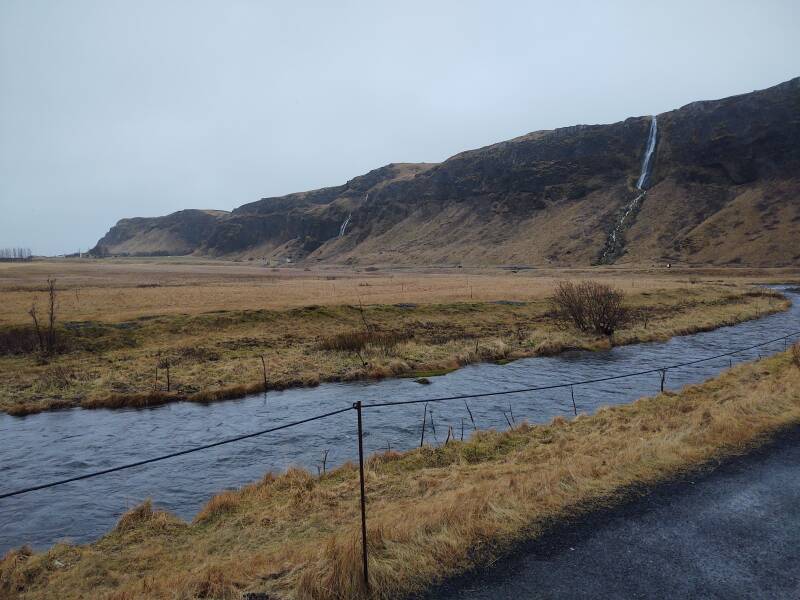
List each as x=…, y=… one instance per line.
x=432, y=512
x=359, y=340
x=217, y=356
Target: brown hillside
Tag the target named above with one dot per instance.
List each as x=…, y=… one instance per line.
x=723, y=188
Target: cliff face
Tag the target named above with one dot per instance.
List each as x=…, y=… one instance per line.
x=726, y=183
x=180, y=233
x=293, y=226
x=724, y=188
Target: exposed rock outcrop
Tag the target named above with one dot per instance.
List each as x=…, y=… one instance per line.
x=724, y=188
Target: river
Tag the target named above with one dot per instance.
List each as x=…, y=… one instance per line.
x=55, y=445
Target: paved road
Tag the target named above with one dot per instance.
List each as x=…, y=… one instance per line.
x=733, y=532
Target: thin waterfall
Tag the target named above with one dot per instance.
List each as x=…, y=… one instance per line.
x=343, y=228
x=614, y=242
x=648, y=155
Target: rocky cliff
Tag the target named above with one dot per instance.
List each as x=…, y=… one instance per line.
x=724, y=187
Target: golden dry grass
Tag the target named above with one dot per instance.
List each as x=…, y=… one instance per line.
x=122, y=289
x=432, y=512
x=217, y=355
x=212, y=321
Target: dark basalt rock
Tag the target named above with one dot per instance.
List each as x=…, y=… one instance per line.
x=707, y=151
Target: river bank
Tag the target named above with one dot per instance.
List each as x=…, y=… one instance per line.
x=208, y=357
x=432, y=511
x=56, y=445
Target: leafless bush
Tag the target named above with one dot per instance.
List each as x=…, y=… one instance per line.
x=51, y=315
x=796, y=354
x=46, y=334
x=644, y=316
x=34, y=314
x=590, y=306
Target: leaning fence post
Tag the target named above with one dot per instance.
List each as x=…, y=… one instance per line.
x=424, y=418
x=470, y=415
x=264, y=372
x=663, y=378
x=572, y=393
x=357, y=406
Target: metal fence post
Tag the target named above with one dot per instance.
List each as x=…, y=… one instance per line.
x=357, y=406
x=663, y=378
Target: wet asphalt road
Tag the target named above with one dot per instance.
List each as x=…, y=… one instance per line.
x=731, y=532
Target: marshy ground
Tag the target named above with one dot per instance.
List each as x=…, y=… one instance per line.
x=125, y=326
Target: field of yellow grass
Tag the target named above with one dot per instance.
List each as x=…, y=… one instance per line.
x=126, y=289
x=125, y=323
x=123, y=289
x=432, y=512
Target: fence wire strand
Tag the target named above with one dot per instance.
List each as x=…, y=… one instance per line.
x=584, y=382
x=147, y=461
x=381, y=405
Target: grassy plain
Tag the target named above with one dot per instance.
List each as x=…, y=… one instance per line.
x=124, y=321
x=432, y=512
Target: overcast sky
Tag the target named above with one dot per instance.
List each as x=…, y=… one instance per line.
x=112, y=109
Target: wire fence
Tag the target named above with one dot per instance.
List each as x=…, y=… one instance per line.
x=358, y=407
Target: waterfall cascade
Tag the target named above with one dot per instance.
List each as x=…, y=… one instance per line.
x=648, y=155
x=343, y=228
x=613, y=242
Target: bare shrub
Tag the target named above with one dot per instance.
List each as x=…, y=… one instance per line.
x=34, y=314
x=46, y=334
x=644, y=316
x=796, y=354
x=590, y=306
x=51, y=315
x=569, y=305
